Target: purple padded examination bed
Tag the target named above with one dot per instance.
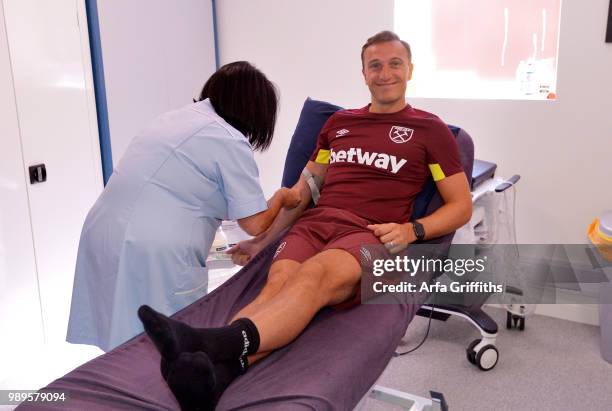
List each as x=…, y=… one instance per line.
x=329, y=367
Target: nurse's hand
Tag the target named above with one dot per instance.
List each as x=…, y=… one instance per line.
x=242, y=252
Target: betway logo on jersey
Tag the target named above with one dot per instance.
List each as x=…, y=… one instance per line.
x=378, y=160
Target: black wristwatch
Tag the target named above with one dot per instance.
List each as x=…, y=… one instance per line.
x=419, y=230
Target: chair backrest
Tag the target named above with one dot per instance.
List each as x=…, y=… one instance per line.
x=429, y=199
x=313, y=116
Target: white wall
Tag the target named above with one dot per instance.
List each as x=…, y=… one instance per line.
x=157, y=54
x=562, y=149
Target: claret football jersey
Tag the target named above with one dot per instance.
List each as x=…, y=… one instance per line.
x=378, y=163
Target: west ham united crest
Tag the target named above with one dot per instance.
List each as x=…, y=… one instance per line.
x=399, y=134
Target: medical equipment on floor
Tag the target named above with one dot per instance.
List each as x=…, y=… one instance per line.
x=492, y=223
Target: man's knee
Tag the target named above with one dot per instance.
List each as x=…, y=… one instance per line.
x=276, y=279
x=329, y=274
x=279, y=273
x=313, y=278
x=312, y=269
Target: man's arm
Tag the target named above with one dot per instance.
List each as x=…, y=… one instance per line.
x=258, y=223
x=457, y=208
x=243, y=251
x=456, y=211
x=286, y=217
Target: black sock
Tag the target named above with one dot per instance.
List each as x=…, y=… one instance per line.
x=197, y=384
x=172, y=337
x=191, y=379
x=226, y=372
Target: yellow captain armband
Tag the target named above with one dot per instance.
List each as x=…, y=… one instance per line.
x=436, y=172
x=322, y=157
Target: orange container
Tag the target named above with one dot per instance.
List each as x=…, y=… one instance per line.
x=600, y=236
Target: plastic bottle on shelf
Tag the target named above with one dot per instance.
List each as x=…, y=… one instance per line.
x=219, y=245
x=234, y=233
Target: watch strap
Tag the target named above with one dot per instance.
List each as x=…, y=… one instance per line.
x=419, y=230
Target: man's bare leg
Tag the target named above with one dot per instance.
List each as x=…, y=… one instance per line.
x=288, y=279
x=327, y=278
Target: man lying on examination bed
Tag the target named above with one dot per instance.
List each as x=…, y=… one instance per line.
x=374, y=161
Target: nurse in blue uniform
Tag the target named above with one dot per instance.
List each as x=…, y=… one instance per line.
x=146, y=239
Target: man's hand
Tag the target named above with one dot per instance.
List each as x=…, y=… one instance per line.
x=242, y=252
x=395, y=237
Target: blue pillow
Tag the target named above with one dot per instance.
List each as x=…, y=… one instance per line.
x=304, y=141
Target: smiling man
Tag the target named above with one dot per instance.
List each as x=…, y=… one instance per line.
x=387, y=67
x=373, y=161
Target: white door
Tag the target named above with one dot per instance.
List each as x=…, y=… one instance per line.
x=20, y=316
x=51, y=66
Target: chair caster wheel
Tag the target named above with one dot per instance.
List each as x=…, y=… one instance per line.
x=486, y=358
x=470, y=354
x=515, y=321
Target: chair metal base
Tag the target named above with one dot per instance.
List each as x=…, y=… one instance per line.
x=481, y=352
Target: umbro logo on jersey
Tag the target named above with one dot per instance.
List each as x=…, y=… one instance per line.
x=399, y=134
x=378, y=160
x=279, y=249
x=342, y=132
x=365, y=253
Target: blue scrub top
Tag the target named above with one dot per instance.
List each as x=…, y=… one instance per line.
x=146, y=239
